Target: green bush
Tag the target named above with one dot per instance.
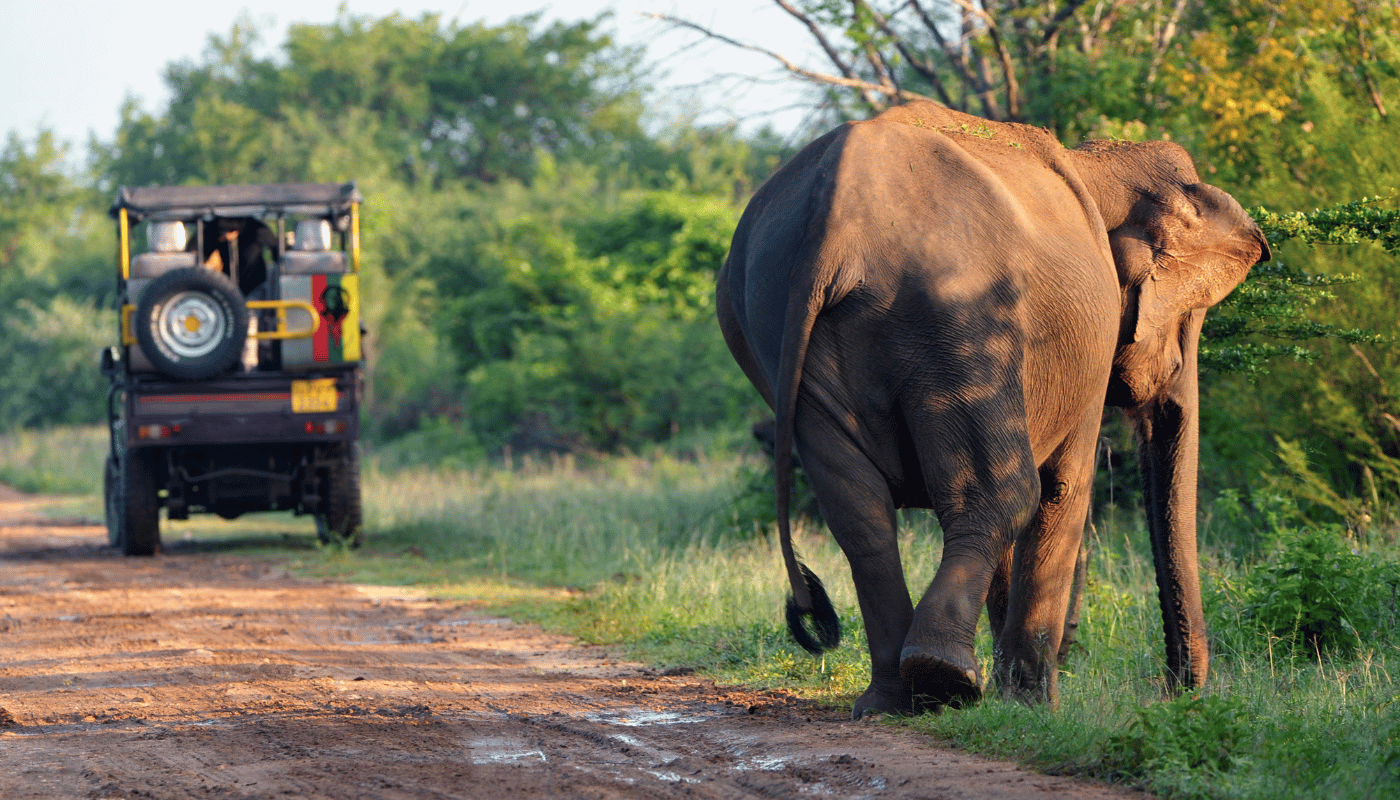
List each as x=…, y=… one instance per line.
x=1200, y=734
x=1319, y=593
x=594, y=333
x=1310, y=586
x=754, y=507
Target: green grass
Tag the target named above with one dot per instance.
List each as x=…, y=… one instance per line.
x=65, y=460
x=649, y=554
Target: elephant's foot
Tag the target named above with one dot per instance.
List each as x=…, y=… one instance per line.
x=878, y=699
x=940, y=679
x=1029, y=682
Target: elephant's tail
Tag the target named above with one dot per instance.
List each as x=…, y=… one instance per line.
x=826, y=626
x=809, y=597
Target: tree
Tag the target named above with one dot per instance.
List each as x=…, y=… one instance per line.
x=1041, y=62
x=424, y=102
x=55, y=274
x=1221, y=76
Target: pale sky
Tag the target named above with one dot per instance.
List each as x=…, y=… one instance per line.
x=68, y=64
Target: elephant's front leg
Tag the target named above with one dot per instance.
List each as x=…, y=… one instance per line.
x=1043, y=570
x=856, y=504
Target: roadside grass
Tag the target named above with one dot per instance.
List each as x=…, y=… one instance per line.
x=648, y=554
x=60, y=460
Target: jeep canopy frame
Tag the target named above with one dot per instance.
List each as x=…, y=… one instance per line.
x=136, y=204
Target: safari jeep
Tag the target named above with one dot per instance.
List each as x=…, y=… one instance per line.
x=236, y=386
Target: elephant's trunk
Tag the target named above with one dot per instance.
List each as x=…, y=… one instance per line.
x=1168, y=454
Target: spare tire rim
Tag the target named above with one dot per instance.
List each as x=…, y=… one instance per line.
x=191, y=324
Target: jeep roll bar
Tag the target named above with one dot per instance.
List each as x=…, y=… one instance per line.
x=140, y=203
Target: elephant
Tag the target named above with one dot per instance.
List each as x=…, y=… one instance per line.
x=939, y=309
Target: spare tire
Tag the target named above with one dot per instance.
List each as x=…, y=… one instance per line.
x=191, y=323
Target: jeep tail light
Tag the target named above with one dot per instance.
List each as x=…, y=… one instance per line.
x=156, y=431
x=328, y=426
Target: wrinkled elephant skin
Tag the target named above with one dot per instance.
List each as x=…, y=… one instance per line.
x=938, y=308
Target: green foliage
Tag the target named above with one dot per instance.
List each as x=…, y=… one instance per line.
x=600, y=329
x=1326, y=410
x=32, y=189
x=754, y=507
x=1196, y=733
x=49, y=369
x=55, y=279
x=1274, y=309
x=419, y=100
x=1322, y=595
x=1348, y=223
x=1314, y=592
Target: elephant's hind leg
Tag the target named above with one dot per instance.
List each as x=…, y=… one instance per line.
x=984, y=485
x=856, y=504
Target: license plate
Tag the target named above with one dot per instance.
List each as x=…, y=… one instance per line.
x=313, y=396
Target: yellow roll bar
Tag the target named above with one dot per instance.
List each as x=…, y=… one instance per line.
x=355, y=237
x=282, y=306
x=124, y=235
x=129, y=336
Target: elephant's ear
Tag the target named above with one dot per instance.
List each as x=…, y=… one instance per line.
x=1201, y=245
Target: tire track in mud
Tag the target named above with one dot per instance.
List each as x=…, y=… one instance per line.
x=197, y=674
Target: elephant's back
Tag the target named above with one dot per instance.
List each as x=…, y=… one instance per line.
x=925, y=201
x=973, y=246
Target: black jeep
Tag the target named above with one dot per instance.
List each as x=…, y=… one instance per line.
x=236, y=386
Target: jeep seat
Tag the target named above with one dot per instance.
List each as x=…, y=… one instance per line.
x=167, y=240
x=311, y=253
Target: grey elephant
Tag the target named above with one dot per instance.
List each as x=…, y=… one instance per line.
x=938, y=309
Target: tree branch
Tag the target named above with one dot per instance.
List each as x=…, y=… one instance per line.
x=1163, y=41
x=872, y=53
x=832, y=53
x=1056, y=21
x=1008, y=67
x=924, y=67
x=956, y=59
x=1366, y=76
x=874, y=91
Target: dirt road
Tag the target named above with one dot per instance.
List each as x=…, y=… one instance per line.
x=196, y=674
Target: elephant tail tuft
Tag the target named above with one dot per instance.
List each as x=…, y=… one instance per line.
x=825, y=632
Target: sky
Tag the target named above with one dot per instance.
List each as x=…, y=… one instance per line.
x=69, y=64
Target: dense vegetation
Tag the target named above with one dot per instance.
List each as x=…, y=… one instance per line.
x=540, y=261
x=540, y=264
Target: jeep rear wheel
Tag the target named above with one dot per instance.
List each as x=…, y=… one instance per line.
x=341, y=519
x=191, y=323
x=112, y=511
x=139, y=521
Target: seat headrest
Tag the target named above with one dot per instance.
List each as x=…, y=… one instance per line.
x=166, y=236
x=313, y=234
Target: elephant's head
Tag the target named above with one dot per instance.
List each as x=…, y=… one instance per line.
x=1180, y=246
